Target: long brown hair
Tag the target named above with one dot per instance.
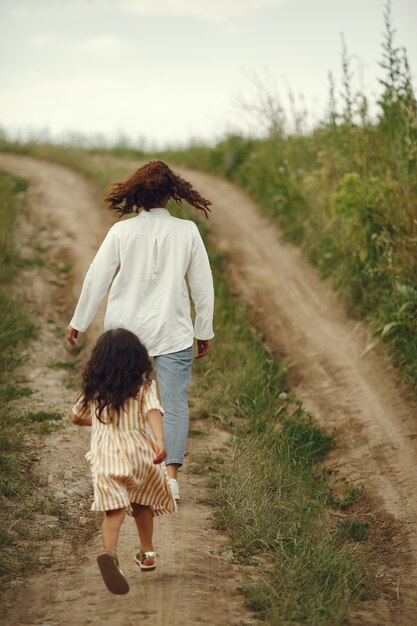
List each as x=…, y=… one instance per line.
x=149, y=186
x=118, y=367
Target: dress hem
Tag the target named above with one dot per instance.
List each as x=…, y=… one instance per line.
x=157, y=509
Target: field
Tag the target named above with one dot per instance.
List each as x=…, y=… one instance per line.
x=303, y=415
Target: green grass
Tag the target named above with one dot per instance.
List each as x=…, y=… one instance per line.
x=38, y=261
x=63, y=365
x=11, y=392
x=19, y=497
x=197, y=433
x=44, y=416
x=349, y=530
x=353, y=493
x=273, y=511
x=65, y=266
x=15, y=325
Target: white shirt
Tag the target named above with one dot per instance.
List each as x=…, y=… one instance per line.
x=153, y=253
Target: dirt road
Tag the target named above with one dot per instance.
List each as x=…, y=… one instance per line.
x=195, y=583
x=337, y=372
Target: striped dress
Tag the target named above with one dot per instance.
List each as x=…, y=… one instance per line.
x=121, y=457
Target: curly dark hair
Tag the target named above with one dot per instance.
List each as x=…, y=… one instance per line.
x=118, y=367
x=149, y=186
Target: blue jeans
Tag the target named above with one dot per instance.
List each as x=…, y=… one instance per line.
x=173, y=372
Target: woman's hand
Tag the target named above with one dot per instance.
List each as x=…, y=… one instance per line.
x=72, y=335
x=203, y=347
x=160, y=453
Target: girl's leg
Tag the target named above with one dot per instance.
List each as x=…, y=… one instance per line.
x=144, y=523
x=111, y=527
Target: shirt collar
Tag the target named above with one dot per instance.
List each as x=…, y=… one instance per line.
x=157, y=211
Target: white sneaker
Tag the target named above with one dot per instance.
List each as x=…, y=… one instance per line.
x=174, y=488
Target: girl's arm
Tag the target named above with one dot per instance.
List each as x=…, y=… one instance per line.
x=80, y=415
x=154, y=417
x=81, y=421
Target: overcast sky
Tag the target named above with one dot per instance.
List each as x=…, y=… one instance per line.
x=171, y=70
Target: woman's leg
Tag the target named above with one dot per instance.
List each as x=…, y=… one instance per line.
x=173, y=374
x=172, y=470
x=144, y=523
x=111, y=528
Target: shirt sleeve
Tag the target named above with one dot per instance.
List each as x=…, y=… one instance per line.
x=150, y=398
x=201, y=284
x=97, y=281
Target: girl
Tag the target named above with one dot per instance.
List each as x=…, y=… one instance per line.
x=127, y=451
x=147, y=260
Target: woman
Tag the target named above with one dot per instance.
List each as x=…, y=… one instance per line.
x=146, y=260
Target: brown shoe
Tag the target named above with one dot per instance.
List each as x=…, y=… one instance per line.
x=112, y=574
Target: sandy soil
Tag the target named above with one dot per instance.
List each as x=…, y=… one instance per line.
x=195, y=582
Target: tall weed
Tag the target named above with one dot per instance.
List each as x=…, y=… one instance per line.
x=347, y=193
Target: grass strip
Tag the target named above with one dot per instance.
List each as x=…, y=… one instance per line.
x=15, y=325
x=269, y=493
x=273, y=510
x=19, y=500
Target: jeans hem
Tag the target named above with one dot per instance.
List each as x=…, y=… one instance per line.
x=172, y=461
